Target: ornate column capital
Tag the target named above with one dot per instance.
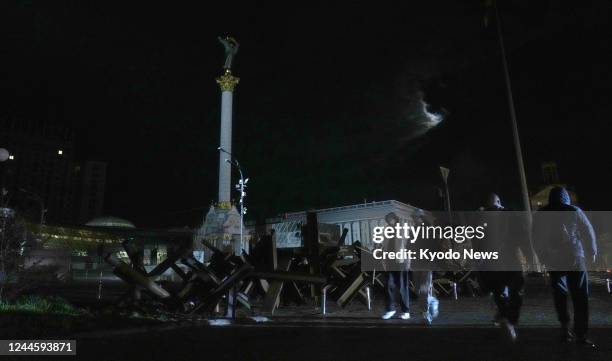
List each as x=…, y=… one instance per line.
x=227, y=82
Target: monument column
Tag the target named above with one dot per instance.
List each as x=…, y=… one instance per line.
x=223, y=223
x=227, y=82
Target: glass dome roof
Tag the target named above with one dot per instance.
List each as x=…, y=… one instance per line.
x=109, y=221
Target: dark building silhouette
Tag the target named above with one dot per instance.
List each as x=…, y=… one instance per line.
x=550, y=173
x=550, y=177
x=43, y=177
x=40, y=169
x=91, y=181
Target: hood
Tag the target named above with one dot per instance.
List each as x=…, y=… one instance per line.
x=558, y=196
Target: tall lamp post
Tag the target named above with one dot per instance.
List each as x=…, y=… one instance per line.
x=515, y=133
x=240, y=187
x=445, y=171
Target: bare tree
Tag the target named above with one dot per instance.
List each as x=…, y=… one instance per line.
x=12, y=240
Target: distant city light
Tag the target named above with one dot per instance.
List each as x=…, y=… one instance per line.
x=60, y=152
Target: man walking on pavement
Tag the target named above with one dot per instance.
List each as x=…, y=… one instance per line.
x=565, y=242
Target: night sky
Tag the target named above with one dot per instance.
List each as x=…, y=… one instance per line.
x=328, y=109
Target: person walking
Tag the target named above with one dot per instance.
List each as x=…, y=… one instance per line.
x=422, y=274
x=504, y=278
x=397, y=276
x=565, y=242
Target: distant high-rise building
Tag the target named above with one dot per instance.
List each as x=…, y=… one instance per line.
x=39, y=170
x=91, y=178
x=45, y=181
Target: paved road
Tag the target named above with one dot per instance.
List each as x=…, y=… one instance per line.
x=337, y=343
x=462, y=332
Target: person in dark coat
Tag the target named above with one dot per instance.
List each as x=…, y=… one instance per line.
x=565, y=242
x=504, y=279
x=397, y=278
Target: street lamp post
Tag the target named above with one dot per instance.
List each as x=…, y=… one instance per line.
x=4, y=155
x=515, y=132
x=445, y=171
x=240, y=187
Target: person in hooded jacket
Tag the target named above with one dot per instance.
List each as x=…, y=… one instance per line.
x=565, y=242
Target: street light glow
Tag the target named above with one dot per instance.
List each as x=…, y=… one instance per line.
x=4, y=155
x=60, y=152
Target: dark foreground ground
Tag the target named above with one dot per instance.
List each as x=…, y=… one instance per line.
x=462, y=332
x=300, y=342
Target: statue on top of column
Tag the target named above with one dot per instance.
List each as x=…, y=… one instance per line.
x=231, y=48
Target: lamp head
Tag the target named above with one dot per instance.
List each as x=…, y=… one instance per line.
x=4, y=155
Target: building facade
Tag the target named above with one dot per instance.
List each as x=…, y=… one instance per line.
x=551, y=179
x=39, y=171
x=91, y=184
x=358, y=219
x=46, y=183
x=76, y=252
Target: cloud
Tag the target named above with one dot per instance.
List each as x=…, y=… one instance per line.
x=420, y=119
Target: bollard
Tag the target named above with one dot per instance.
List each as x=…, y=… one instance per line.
x=324, y=299
x=100, y=285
